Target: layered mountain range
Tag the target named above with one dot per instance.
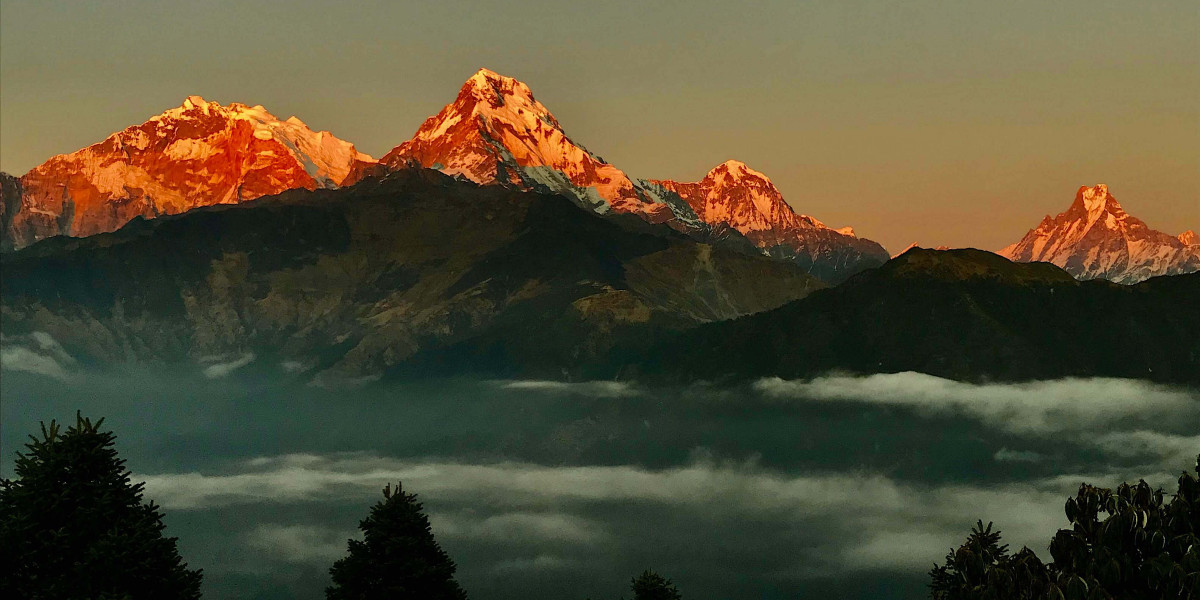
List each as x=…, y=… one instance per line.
x=963, y=314
x=417, y=274
x=412, y=271
x=1096, y=239
x=221, y=237
x=494, y=133
x=198, y=154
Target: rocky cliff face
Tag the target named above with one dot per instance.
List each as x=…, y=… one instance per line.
x=199, y=154
x=1096, y=239
x=413, y=271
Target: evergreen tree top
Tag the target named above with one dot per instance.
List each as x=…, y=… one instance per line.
x=398, y=556
x=652, y=586
x=73, y=525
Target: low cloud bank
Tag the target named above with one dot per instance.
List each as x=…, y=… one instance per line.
x=855, y=520
x=1169, y=449
x=222, y=368
x=300, y=543
x=1041, y=407
x=37, y=353
x=595, y=389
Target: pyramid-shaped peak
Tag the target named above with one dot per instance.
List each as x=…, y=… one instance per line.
x=734, y=170
x=194, y=102
x=485, y=73
x=1095, y=198
x=486, y=83
x=1100, y=189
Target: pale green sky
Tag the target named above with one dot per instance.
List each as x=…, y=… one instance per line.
x=940, y=122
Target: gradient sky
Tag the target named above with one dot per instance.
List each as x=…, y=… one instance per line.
x=939, y=122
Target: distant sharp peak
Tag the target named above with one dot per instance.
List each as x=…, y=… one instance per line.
x=1096, y=238
x=734, y=170
x=488, y=84
x=496, y=132
x=494, y=95
x=491, y=103
x=917, y=246
x=730, y=173
x=1096, y=199
x=1094, y=206
x=1189, y=238
x=195, y=102
x=906, y=249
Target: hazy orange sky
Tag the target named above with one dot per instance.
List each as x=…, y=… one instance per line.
x=941, y=122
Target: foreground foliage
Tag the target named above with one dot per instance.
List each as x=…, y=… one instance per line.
x=72, y=525
x=1125, y=543
x=397, y=557
x=652, y=586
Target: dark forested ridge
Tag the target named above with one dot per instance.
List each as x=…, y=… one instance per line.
x=418, y=274
x=963, y=314
x=359, y=281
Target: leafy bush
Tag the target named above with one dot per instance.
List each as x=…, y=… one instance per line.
x=1123, y=543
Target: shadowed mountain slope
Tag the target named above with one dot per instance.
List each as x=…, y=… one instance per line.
x=358, y=281
x=963, y=314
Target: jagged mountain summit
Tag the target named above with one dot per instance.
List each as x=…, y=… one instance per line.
x=414, y=273
x=496, y=132
x=198, y=154
x=1096, y=239
x=734, y=196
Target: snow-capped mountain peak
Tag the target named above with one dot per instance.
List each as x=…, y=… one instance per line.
x=194, y=102
x=1094, y=198
x=196, y=154
x=736, y=196
x=735, y=170
x=489, y=85
x=1189, y=238
x=1096, y=239
x=496, y=132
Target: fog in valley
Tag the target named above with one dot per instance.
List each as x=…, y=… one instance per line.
x=843, y=485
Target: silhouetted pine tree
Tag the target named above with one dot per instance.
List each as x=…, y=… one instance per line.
x=72, y=525
x=652, y=586
x=397, y=558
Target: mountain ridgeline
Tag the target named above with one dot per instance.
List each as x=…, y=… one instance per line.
x=494, y=133
x=492, y=243
x=1096, y=239
x=419, y=274
x=361, y=281
x=962, y=314
x=198, y=154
